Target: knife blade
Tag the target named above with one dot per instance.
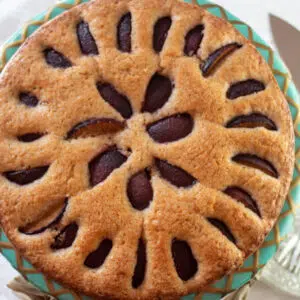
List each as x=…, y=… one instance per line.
x=287, y=40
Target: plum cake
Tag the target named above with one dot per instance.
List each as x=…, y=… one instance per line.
x=146, y=149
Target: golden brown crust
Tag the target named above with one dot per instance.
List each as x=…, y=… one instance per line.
x=70, y=96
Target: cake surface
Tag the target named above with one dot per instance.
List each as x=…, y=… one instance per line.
x=122, y=151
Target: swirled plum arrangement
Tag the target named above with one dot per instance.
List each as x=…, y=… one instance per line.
x=146, y=149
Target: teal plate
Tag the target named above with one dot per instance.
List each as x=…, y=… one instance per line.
x=285, y=222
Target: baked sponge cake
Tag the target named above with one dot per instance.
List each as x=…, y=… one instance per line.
x=146, y=149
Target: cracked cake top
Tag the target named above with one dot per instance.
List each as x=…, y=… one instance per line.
x=146, y=149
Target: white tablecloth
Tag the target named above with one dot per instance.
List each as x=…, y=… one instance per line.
x=13, y=13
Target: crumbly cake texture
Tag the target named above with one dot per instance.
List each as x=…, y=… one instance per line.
x=146, y=149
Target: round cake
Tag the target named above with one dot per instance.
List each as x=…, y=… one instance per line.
x=146, y=149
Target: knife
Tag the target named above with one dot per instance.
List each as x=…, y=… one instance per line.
x=287, y=40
